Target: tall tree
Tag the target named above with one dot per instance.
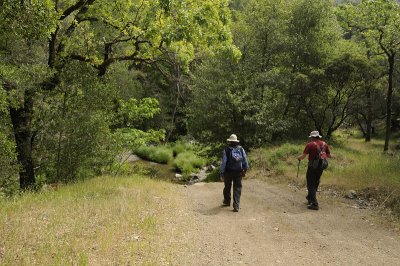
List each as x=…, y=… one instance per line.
x=243, y=95
x=25, y=27
x=378, y=23
x=314, y=44
x=342, y=79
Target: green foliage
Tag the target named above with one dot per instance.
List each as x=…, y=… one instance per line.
x=128, y=138
x=375, y=25
x=74, y=124
x=129, y=120
x=25, y=27
x=185, y=157
x=179, y=26
x=286, y=46
x=120, y=74
x=8, y=159
x=135, y=111
x=181, y=146
x=188, y=162
x=314, y=31
x=376, y=21
x=83, y=134
x=31, y=20
x=273, y=157
x=73, y=127
x=213, y=176
x=159, y=154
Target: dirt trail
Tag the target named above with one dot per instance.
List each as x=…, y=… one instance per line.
x=274, y=227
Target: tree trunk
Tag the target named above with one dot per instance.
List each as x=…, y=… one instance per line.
x=21, y=120
x=389, y=101
x=177, y=80
x=369, y=116
x=328, y=133
x=360, y=125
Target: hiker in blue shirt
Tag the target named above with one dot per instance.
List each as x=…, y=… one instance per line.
x=233, y=168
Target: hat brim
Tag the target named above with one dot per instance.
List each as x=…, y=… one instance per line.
x=231, y=140
x=318, y=136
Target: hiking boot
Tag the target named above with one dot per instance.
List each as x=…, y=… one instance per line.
x=313, y=207
x=225, y=204
x=308, y=200
x=235, y=209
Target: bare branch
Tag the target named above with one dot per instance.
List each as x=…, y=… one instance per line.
x=75, y=7
x=81, y=58
x=8, y=85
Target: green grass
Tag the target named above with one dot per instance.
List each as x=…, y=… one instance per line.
x=102, y=221
x=158, y=154
x=187, y=162
x=362, y=165
x=213, y=176
x=180, y=147
x=184, y=157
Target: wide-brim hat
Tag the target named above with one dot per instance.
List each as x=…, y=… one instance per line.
x=233, y=138
x=315, y=134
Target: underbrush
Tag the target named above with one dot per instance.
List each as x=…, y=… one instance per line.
x=101, y=221
x=187, y=162
x=213, y=176
x=357, y=165
x=158, y=154
x=186, y=158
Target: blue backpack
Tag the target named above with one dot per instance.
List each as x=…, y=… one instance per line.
x=234, y=159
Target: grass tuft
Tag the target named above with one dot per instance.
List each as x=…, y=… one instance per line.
x=183, y=156
x=158, y=154
x=187, y=162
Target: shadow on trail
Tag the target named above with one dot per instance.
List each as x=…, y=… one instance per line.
x=214, y=210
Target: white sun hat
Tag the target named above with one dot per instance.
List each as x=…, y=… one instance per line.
x=233, y=138
x=315, y=134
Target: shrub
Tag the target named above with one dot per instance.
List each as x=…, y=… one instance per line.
x=180, y=147
x=187, y=162
x=213, y=176
x=9, y=184
x=159, y=154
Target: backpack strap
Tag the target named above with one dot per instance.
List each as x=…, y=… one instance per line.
x=240, y=149
x=320, y=148
x=228, y=156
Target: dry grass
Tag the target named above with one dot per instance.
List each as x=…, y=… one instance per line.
x=103, y=221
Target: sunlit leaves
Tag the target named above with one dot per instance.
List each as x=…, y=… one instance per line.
x=31, y=20
x=143, y=30
x=376, y=22
x=131, y=137
x=136, y=111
